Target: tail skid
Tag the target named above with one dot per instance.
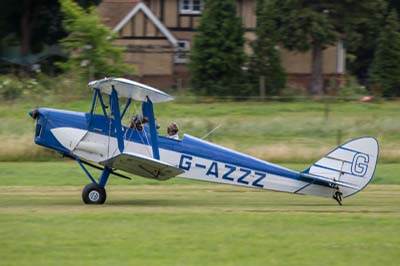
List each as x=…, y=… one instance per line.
x=348, y=169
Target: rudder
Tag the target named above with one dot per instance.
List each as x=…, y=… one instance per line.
x=353, y=162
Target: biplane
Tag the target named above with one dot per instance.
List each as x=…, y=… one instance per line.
x=99, y=139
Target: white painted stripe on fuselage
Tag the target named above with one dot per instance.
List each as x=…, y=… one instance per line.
x=90, y=147
x=68, y=137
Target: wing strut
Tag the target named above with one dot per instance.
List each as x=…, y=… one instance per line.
x=147, y=110
x=116, y=119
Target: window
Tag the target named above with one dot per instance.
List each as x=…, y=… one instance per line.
x=191, y=6
x=182, y=53
x=197, y=4
x=183, y=44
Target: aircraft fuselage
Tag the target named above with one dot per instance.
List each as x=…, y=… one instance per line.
x=89, y=137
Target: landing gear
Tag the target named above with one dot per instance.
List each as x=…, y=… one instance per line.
x=94, y=194
x=337, y=195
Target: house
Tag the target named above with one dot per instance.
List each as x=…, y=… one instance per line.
x=158, y=36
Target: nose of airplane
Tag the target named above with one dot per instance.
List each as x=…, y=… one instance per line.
x=34, y=113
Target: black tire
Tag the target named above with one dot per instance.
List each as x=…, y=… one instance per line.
x=94, y=194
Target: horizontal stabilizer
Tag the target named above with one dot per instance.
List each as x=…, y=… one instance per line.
x=143, y=166
x=328, y=181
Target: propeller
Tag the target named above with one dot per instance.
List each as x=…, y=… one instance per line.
x=34, y=113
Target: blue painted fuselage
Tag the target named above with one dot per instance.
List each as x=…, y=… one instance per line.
x=200, y=159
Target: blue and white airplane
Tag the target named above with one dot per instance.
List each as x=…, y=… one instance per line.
x=101, y=141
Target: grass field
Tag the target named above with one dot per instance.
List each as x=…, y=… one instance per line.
x=182, y=222
x=185, y=222
x=279, y=132
x=69, y=173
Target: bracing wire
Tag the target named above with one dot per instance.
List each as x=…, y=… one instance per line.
x=145, y=134
x=210, y=132
x=147, y=140
x=140, y=135
x=126, y=131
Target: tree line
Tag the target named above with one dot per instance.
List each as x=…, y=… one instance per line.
x=369, y=30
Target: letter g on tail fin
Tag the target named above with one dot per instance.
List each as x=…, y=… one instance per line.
x=352, y=163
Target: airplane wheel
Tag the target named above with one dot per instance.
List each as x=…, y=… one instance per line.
x=93, y=194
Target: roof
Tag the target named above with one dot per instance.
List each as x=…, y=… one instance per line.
x=130, y=89
x=113, y=11
x=117, y=13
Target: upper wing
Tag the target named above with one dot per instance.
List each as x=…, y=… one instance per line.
x=130, y=89
x=143, y=166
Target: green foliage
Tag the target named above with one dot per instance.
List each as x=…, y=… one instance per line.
x=40, y=88
x=265, y=60
x=217, y=56
x=302, y=23
x=89, y=44
x=305, y=25
x=35, y=22
x=361, y=39
x=40, y=19
x=10, y=87
x=314, y=25
x=352, y=89
x=385, y=68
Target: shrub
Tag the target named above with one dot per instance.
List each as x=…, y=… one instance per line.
x=10, y=87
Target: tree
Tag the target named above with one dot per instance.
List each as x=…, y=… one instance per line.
x=265, y=60
x=218, y=55
x=89, y=43
x=34, y=23
x=385, y=68
x=314, y=25
x=394, y=4
x=361, y=40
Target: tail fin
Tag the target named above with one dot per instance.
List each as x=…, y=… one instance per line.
x=351, y=163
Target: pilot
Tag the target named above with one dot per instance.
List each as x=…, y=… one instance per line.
x=172, y=131
x=137, y=122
